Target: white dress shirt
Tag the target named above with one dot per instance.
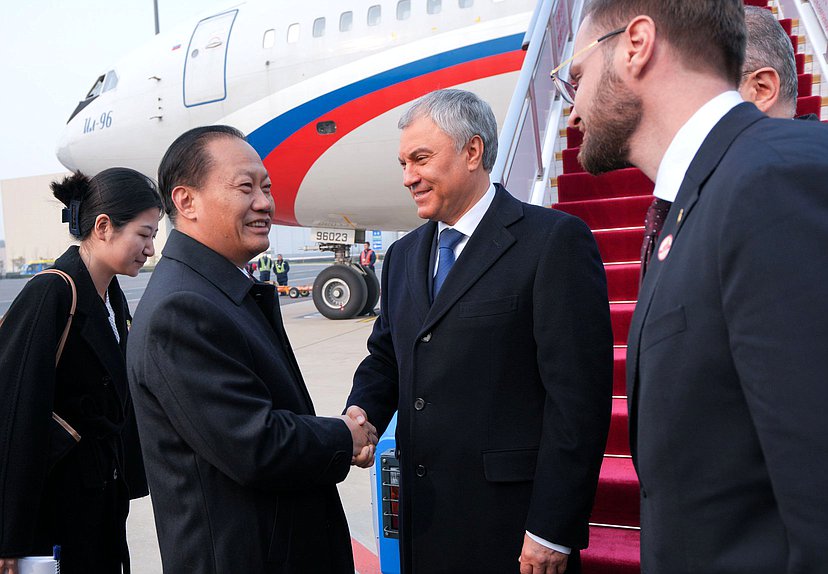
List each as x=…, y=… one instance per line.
x=687, y=142
x=111, y=312
x=466, y=225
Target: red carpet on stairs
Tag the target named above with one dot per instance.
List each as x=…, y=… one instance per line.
x=619, y=372
x=614, y=205
x=620, y=245
x=616, y=501
x=618, y=549
x=618, y=442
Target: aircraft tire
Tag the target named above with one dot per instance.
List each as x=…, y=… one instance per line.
x=339, y=292
x=373, y=286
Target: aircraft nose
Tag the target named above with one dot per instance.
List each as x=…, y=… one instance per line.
x=64, y=152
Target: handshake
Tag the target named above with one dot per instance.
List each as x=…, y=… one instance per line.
x=364, y=436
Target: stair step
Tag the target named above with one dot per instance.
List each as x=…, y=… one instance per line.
x=808, y=105
x=620, y=245
x=618, y=183
x=622, y=281
x=617, y=500
x=612, y=551
x=619, y=372
x=610, y=213
x=574, y=137
x=569, y=158
x=618, y=442
x=805, y=85
x=621, y=316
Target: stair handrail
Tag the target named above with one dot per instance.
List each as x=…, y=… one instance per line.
x=813, y=18
x=547, y=41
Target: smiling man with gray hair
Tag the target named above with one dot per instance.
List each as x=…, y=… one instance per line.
x=494, y=344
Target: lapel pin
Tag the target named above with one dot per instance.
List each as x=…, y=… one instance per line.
x=665, y=246
x=680, y=215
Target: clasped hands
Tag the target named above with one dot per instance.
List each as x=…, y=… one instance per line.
x=364, y=436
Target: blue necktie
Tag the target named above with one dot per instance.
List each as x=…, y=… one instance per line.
x=449, y=238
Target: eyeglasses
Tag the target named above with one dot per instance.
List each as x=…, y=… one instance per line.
x=565, y=89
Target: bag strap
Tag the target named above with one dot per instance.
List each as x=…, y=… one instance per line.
x=65, y=276
x=68, y=279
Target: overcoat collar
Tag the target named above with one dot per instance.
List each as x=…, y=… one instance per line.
x=487, y=244
x=709, y=156
x=215, y=268
x=227, y=278
x=91, y=319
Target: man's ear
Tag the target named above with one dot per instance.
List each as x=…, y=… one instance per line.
x=183, y=198
x=474, y=153
x=639, y=44
x=762, y=87
x=103, y=227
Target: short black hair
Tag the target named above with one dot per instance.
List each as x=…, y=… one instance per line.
x=707, y=34
x=187, y=161
x=118, y=192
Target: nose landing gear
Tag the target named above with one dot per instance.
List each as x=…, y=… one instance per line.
x=345, y=289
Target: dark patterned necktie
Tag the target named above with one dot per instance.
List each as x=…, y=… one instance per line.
x=653, y=222
x=449, y=238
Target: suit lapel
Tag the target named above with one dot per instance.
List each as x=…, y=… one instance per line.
x=487, y=244
x=264, y=296
x=94, y=328
x=708, y=157
x=92, y=323
x=418, y=270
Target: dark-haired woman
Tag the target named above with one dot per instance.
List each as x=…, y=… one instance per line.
x=67, y=480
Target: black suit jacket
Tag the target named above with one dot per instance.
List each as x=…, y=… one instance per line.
x=728, y=355
x=54, y=490
x=503, y=387
x=242, y=473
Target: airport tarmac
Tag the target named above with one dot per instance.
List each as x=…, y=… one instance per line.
x=328, y=353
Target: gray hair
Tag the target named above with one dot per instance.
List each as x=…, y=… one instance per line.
x=768, y=45
x=461, y=115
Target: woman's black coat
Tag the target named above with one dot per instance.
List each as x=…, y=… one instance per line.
x=53, y=489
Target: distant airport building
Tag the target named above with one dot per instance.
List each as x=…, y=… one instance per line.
x=33, y=229
x=31, y=220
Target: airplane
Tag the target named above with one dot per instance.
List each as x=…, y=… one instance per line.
x=318, y=87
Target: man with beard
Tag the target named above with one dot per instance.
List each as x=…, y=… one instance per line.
x=726, y=362
x=768, y=80
x=495, y=347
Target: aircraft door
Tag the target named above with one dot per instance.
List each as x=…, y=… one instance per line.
x=205, y=70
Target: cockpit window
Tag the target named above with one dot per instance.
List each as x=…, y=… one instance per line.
x=97, y=87
x=110, y=81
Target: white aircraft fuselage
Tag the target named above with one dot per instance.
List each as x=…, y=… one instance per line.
x=318, y=87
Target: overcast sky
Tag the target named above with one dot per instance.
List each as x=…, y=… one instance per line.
x=51, y=52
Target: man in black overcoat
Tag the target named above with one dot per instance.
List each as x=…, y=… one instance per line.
x=494, y=343
x=242, y=474
x=727, y=362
